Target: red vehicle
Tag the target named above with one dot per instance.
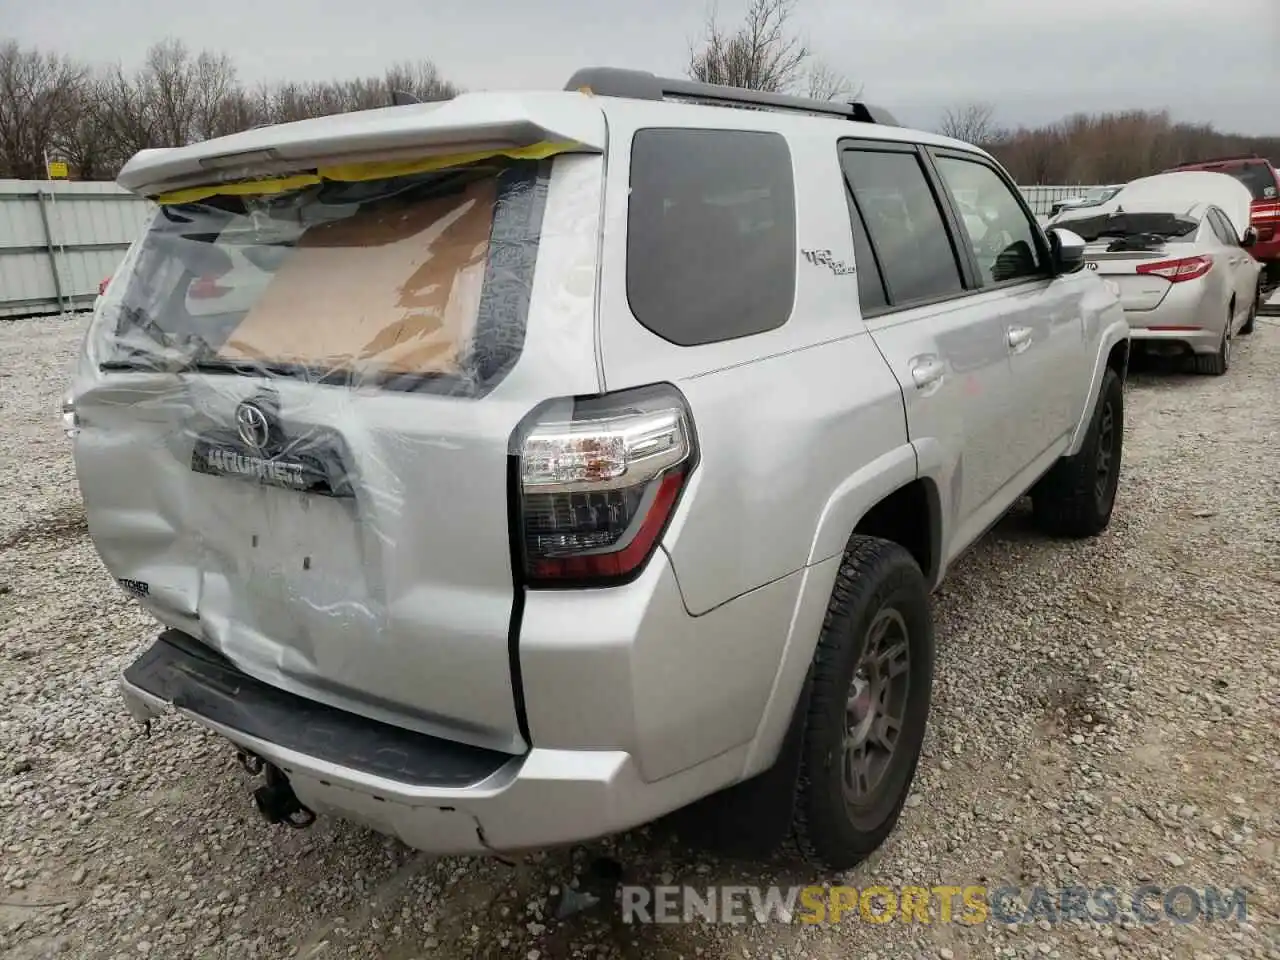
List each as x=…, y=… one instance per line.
x=1263, y=180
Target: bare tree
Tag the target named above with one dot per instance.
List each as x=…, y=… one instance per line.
x=215, y=86
x=760, y=54
x=970, y=122
x=828, y=84
x=422, y=79
x=37, y=92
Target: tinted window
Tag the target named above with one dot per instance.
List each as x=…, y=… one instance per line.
x=904, y=223
x=1000, y=232
x=1257, y=177
x=711, y=234
x=871, y=293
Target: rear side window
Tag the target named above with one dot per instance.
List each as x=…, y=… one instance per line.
x=711, y=233
x=905, y=224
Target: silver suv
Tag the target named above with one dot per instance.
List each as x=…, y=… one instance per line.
x=518, y=469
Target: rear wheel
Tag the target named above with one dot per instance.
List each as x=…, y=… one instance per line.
x=1253, y=312
x=1216, y=364
x=1076, y=497
x=871, y=680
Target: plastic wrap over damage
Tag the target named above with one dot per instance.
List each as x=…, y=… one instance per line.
x=295, y=403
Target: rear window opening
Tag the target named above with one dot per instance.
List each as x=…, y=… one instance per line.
x=1128, y=227
x=411, y=282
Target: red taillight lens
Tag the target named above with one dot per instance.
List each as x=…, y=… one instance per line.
x=102, y=286
x=598, y=481
x=1177, y=271
x=206, y=288
x=1265, y=217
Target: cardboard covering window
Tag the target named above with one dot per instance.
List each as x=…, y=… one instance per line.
x=385, y=291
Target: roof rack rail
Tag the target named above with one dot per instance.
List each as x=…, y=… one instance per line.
x=1237, y=156
x=642, y=85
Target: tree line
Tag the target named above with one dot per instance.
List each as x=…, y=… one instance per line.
x=1098, y=148
x=96, y=117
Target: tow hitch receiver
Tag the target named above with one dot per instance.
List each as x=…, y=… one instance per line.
x=275, y=799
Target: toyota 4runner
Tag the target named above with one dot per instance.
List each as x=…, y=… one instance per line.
x=517, y=469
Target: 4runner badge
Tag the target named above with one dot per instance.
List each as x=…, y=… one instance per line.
x=823, y=258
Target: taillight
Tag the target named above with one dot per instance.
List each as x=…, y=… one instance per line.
x=102, y=286
x=1177, y=271
x=206, y=288
x=1265, y=217
x=598, y=480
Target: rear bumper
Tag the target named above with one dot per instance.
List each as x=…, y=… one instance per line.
x=1197, y=340
x=1187, y=315
x=435, y=795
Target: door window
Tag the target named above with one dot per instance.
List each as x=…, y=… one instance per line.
x=1223, y=228
x=1001, y=234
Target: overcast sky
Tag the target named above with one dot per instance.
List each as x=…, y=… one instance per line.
x=1036, y=60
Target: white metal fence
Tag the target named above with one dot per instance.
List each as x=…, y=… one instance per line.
x=60, y=239
x=1042, y=198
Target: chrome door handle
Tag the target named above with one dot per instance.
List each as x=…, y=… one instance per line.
x=1019, y=337
x=927, y=373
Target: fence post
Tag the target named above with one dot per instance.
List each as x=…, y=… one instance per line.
x=53, y=257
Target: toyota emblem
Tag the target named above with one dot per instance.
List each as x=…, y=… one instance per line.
x=252, y=425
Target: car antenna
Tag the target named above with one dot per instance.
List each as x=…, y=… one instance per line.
x=401, y=98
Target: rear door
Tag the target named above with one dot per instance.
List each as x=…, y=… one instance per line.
x=945, y=346
x=1244, y=269
x=295, y=413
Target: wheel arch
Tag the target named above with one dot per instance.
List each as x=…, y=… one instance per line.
x=908, y=513
x=1113, y=353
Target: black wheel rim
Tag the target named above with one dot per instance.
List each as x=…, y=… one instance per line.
x=876, y=706
x=1106, y=452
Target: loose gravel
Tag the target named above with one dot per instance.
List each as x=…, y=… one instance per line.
x=1106, y=714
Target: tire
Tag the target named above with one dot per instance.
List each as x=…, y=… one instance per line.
x=879, y=588
x=1253, y=312
x=1215, y=364
x=1075, y=498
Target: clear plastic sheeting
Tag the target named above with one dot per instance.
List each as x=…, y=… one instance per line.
x=414, y=282
x=294, y=414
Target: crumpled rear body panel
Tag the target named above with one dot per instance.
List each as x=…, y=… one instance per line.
x=305, y=466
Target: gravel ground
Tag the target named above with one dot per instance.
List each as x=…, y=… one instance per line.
x=1106, y=713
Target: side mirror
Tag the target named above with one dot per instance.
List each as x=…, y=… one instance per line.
x=1250, y=237
x=1066, y=250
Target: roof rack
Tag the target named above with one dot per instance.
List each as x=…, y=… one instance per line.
x=1196, y=163
x=642, y=85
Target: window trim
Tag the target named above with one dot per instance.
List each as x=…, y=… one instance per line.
x=795, y=230
x=858, y=222
x=969, y=284
x=1037, y=231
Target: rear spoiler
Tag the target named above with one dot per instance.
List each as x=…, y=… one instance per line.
x=469, y=126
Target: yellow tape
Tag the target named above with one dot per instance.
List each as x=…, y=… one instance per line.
x=353, y=172
x=248, y=188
